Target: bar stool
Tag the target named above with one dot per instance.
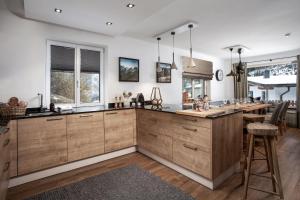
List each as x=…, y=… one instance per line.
x=268, y=132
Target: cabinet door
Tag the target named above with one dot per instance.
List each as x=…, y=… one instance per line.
x=42, y=143
x=85, y=135
x=119, y=129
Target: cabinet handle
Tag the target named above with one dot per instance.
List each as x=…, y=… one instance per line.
x=6, y=166
x=54, y=119
x=191, y=120
x=85, y=116
x=153, y=135
x=111, y=113
x=189, y=147
x=189, y=129
x=6, y=142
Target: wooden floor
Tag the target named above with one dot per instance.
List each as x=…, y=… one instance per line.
x=289, y=161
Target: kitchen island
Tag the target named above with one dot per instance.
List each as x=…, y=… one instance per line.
x=206, y=149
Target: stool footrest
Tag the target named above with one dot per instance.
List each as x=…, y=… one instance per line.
x=265, y=191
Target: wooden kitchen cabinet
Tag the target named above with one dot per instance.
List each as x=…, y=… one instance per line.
x=42, y=143
x=13, y=135
x=85, y=133
x=192, y=157
x=4, y=161
x=119, y=129
x=158, y=144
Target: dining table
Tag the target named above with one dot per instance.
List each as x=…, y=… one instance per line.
x=258, y=108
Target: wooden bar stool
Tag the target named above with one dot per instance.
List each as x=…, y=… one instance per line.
x=268, y=132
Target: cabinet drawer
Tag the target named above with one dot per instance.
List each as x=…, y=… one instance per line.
x=155, y=122
x=193, y=134
x=160, y=145
x=119, y=115
x=191, y=156
x=85, y=134
x=193, y=121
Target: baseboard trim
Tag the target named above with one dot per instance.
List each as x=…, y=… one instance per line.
x=211, y=184
x=203, y=181
x=68, y=167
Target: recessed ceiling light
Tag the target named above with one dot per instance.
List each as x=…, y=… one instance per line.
x=130, y=5
x=58, y=10
x=109, y=23
x=287, y=34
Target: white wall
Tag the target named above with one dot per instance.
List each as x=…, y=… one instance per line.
x=23, y=60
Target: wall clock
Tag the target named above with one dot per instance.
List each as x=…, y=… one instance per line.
x=219, y=75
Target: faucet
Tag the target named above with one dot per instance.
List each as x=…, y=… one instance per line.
x=41, y=101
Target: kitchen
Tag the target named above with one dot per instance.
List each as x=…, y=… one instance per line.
x=48, y=59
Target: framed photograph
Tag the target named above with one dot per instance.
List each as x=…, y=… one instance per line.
x=128, y=70
x=165, y=75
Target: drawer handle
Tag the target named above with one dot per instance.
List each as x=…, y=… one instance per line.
x=54, y=119
x=111, y=113
x=191, y=120
x=85, y=116
x=153, y=135
x=189, y=147
x=6, y=166
x=189, y=129
x=6, y=142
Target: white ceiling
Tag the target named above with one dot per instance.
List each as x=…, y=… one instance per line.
x=257, y=24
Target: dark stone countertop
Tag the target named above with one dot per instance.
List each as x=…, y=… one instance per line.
x=169, y=108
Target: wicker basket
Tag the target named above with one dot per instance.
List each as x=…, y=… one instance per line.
x=17, y=111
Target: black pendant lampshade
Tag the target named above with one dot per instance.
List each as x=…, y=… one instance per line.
x=173, y=66
x=231, y=73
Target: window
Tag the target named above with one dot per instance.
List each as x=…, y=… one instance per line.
x=74, y=74
x=193, y=88
x=273, y=81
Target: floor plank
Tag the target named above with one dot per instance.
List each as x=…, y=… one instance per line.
x=289, y=162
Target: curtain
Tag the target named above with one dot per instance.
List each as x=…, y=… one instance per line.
x=240, y=88
x=203, y=69
x=298, y=92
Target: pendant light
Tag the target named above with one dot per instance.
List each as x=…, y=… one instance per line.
x=158, y=68
x=191, y=60
x=240, y=67
x=173, y=66
x=231, y=73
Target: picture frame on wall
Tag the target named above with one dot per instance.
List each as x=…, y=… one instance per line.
x=165, y=75
x=129, y=69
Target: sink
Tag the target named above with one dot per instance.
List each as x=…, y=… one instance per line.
x=40, y=114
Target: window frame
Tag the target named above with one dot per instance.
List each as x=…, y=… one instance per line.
x=205, y=85
x=77, y=70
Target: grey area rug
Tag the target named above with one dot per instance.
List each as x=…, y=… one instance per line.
x=128, y=183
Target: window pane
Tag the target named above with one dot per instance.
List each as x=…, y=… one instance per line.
x=273, y=82
x=198, y=88
x=62, y=75
x=89, y=76
x=187, y=86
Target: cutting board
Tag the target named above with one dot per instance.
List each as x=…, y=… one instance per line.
x=200, y=114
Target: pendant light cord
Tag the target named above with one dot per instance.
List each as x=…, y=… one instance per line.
x=158, y=49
